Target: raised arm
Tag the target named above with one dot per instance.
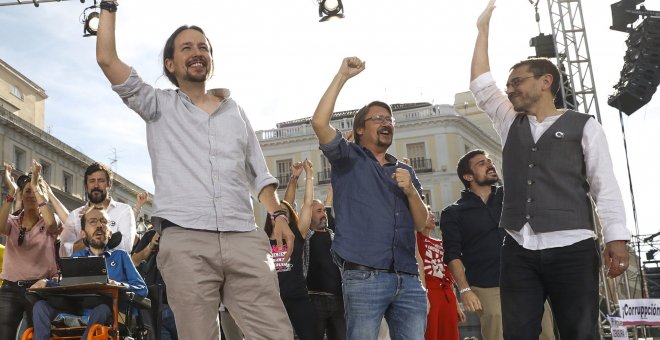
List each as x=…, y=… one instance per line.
x=480, y=61
x=140, y=199
x=330, y=196
x=306, y=210
x=350, y=67
x=5, y=210
x=290, y=193
x=61, y=211
x=38, y=187
x=106, y=50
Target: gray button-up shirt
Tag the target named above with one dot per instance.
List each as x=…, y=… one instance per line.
x=203, y=165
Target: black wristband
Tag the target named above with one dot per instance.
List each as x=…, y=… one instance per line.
x=277, y=214
x=109, y=6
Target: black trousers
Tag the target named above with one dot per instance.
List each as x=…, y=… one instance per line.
x=302, y=316
x=566, y=276
x=331, y=321
x=12, y=305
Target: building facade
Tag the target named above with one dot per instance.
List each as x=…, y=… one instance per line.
x=432, y=137
x=22, y=139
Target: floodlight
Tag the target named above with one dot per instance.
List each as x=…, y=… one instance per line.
x=330, y=10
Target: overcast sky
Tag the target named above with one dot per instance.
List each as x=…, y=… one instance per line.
x=277, y=59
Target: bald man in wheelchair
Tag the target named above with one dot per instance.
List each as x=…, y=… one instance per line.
x=121, y=272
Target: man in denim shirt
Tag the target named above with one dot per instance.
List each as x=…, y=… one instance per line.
x=378, y=209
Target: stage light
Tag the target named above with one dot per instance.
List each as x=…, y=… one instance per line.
x=650, y=255
x=330, y=10
x=90, y=20
x=92, y=23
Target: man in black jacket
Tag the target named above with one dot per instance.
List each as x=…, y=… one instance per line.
x=472, y=240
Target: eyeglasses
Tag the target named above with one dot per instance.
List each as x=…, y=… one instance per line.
x=21, y=235
x=515, y=82
x=380, y=119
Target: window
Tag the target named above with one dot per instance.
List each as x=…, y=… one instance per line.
x=45, y=170
x=19, y=159
x=16, y=92
x=324, y=174
x=5, y=105
x=284, y=171
x=417, y=155
x=416, y=150
x=68, y=182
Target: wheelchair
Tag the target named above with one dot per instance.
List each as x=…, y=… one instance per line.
x=134, y=328
x=140, y=327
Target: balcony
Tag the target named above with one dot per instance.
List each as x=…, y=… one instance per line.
x=421, y=164
x=324, y=176
x=401, y=113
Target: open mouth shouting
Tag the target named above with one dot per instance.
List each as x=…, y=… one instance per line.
x=196, y=63
x=385, y=131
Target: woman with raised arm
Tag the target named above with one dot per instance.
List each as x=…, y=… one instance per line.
x=293, y=288
x=30, y=249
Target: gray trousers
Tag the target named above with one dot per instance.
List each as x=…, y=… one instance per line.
x=203, y=268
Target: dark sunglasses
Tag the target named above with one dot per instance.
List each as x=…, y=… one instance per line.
x=21, y=236
x=23, y=180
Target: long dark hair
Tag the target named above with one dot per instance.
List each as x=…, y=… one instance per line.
x=293, y=219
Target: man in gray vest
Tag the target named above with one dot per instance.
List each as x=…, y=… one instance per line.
x=554, y=161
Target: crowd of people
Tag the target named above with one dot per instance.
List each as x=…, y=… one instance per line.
x=523, y=260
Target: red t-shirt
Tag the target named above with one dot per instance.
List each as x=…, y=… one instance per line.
x=435, y=270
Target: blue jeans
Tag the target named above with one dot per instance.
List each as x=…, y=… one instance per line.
x=168, y=327
x=43, y=314
x=371, y=295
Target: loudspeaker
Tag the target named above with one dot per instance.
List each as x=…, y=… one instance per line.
x=640, y=75
x=544, y=46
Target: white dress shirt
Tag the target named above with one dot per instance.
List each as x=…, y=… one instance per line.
x=600, y=173
x=122, y=220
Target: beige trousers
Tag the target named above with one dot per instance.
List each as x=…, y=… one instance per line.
x=490, y=316
x=203, y=268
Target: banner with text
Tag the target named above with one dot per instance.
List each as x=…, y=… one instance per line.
x=618, y=330
x=640, y=312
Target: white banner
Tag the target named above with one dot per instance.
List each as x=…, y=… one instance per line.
x=640, y=312
x=619, y=331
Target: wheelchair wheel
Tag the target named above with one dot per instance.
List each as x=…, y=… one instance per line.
x=28, y=334
x=98, y=332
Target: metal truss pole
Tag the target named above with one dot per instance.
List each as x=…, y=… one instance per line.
x=570, y=39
